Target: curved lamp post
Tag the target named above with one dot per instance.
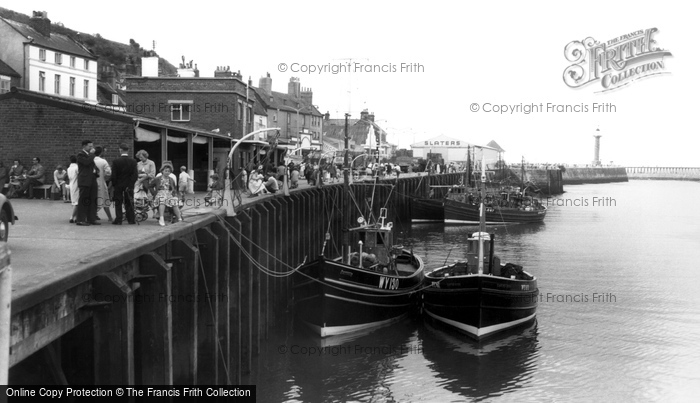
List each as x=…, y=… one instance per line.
x=229, y=206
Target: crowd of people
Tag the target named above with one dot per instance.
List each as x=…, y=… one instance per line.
x=91, y=184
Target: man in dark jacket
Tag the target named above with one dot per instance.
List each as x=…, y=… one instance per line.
x=87, y=185
x=124, y=176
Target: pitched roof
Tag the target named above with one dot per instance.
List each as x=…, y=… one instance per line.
x=7, y=70
x=495, y=145
x=105, y=92
x=285, y=102
x=55, y=41
x=358, y=131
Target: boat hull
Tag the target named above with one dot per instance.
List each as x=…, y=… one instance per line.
x=335, y=298
x=479, y=305
x=460, y=212
x=427, y=210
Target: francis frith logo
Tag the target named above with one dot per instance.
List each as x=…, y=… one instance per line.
x=614, y=63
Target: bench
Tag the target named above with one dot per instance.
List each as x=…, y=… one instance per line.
x=45, y=188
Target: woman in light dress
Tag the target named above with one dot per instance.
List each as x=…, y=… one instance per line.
x=256, y=184
x=72, y=172
x=102, y=165
x=146, y=173
x=166, y=193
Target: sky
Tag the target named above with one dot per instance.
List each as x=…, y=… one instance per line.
x=457, y=56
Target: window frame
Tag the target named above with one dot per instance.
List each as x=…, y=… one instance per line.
x=57, y=84
x=42, y=81
x=181, y=108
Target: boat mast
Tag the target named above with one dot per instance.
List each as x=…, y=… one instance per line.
x=482, y=215
x=522, y=175
x=346, y=192
x=469, y=170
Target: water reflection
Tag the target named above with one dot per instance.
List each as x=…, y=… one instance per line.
x=477, y=370
x=358, y=366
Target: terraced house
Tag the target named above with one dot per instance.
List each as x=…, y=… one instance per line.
x=47, y=61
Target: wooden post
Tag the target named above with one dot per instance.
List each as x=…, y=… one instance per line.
x=5, y=301
x=114, y=332
x=246, y=290
x=255, y=251
x=236, y=301
x=208, y=307
x=154, y=322
x=185, y=278
x=224, y=370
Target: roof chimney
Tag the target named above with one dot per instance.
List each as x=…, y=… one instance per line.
x=265, y=84
x=41, y=22
x=294, y=87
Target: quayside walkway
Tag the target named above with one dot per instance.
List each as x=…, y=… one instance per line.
x=228, y=275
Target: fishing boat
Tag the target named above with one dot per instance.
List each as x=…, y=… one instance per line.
x=503, y=205
x=480, y=296
x=374, y=285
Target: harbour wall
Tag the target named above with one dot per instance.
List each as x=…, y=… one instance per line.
x=578, y=176
x=549, y=181
x=192, y=304
x=664, y=173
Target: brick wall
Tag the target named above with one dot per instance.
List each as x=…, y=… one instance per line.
x=209, y=111
x=215, y=100
x=29, y=129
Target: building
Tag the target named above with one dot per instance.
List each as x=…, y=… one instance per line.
x=8, y=78
x=222, y=104
x=48, y=62
x=364, y=135
x=454, y=150
x=300, y=122
x=52, y=128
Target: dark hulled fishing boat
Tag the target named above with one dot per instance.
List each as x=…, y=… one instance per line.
x=370, y=287
x=480, y=296
x=502, y=206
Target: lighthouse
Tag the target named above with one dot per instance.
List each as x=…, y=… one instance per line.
x=596, y=151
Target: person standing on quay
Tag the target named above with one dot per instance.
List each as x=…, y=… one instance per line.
x=124, y=176
x=87, y=185
x=103, y=200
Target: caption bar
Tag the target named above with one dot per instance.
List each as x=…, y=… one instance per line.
x=234, y=393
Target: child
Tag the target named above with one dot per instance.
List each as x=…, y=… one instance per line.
x=214, y=195
x=184, y=182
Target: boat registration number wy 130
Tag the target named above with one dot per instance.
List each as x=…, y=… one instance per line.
x=388, y=283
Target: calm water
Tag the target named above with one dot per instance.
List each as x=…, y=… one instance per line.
x=619, y=318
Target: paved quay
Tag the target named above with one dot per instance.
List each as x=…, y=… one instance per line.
x=49, y=255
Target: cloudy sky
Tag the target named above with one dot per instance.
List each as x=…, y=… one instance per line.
x=455, y=54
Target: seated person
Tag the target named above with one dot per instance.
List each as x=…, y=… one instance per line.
x=255, y=184
x=59, y=182
x=35, y=177
x=272, y=185
x=165, y=190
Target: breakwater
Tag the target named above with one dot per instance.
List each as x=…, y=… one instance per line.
x=188, y=304
x=664, y=173
x=577, y=176
x=549, y=181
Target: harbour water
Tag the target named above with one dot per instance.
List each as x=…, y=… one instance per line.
x=618, y=318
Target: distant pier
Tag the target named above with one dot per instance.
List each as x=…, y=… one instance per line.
x=664, y=173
